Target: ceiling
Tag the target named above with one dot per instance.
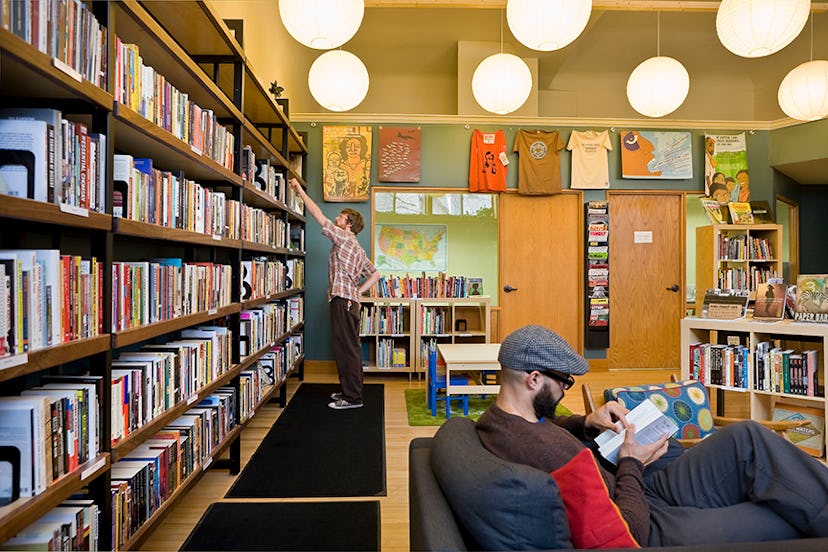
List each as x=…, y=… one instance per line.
x=411, y=52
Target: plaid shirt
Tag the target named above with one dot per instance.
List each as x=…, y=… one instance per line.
x=347, y=263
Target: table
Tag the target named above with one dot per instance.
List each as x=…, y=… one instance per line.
x=467, y=357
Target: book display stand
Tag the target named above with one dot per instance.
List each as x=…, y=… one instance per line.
x=597, y=307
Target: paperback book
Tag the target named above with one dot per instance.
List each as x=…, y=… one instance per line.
x=650, y=424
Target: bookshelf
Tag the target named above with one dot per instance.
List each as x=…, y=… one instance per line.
x=730, y=256
x=387, y=335
x=760, y=389
x=203, y=60
x=450, y=320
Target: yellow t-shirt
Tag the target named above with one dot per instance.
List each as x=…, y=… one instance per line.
x=590, y=169
x=539, y=167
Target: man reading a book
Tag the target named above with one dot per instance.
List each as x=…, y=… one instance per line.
x=743, y=483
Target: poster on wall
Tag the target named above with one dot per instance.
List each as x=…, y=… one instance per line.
x=346, y=171
x=654, y=154
x=399, y=154
x=726, y=175
x=411, y=247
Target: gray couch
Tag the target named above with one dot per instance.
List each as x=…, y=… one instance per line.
x=461, y=497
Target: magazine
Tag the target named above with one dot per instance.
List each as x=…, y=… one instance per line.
x=809, y=438
x=740, y=213
x=650, y=424
x=811, y=304
x=713, y=210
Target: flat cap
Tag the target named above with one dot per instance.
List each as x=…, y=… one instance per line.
x=537, y=348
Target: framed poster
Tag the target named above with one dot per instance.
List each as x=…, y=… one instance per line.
x=399, y=154
x=411, y=247
x=346, y=169
x=726, y=175
x=653, y=154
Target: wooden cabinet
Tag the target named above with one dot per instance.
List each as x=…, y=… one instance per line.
x=748, y=348
x=202, y=60
x=730, y=256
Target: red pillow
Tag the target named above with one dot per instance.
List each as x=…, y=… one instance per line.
x=594, y=519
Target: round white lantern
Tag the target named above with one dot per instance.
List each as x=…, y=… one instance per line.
x=547, y=25
x=756, y=28
x=322, y=24
x=338, y=80
x=501, y=83
x=658, y=86
x=803, y=94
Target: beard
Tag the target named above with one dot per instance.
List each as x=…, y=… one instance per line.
x=544, y=403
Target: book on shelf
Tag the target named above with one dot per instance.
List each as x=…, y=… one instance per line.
x=713, y=210
x=811, y=302
x=25, y=158
x=650, y=425
x=770, y=302
x=809, y=438
x=740, y=213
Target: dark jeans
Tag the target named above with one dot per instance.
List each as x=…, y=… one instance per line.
x=346, y=348
x=743, y=483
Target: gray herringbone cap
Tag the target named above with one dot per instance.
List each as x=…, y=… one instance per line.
x=537, y=348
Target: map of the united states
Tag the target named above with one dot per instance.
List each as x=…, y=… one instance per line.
x=411, y=247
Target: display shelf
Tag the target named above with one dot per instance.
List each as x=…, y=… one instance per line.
x=55, y=355
x=51, y=213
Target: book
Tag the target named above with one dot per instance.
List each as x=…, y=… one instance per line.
x=810, y=438
x=725, y=304
x=650, y=424
x=740, y=213
x=713, y=210
x=475, y=286
x=770, y=302
x=762, y=213
x=24, y=158
x=811, y=302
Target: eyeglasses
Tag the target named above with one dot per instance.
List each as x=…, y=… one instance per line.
x=566, y=380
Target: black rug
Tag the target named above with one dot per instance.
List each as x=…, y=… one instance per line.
x=287, y=526
x=314, y=451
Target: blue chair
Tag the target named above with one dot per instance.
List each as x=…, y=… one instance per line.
x=437, y=383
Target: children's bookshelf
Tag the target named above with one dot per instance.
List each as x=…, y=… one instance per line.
x=158, y=243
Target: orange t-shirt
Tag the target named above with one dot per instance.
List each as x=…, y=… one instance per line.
x=539, y=169
x=486, y=172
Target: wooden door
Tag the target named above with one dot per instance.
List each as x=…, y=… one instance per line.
x=646, y=279
x=541, y=256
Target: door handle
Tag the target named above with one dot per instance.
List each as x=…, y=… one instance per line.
x=508, y=289
x=674, y=287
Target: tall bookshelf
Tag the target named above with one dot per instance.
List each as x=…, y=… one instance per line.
x=786, y=335
x=733, y=256
x=202, y=59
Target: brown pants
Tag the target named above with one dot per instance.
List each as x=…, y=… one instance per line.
x=346, y=348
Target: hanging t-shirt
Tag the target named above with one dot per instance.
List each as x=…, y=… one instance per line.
x=487, y=173
x=590, y=169
x=539, y=169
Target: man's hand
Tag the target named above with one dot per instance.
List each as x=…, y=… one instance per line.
x=646, y=454
x=606, y=416
x=295, y=185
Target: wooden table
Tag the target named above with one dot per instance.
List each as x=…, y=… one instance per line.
x=467, y=357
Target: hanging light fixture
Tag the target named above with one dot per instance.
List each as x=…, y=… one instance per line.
x=803, y=94
x=756, y=28
x=547, y=25
x=659, y=85
x=338, y=80
x=502, y=82
x=322, y=24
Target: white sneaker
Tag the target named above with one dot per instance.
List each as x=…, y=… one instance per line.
x=342, y=404
x=336, y=396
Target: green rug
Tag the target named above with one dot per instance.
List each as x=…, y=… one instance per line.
x=419, y=415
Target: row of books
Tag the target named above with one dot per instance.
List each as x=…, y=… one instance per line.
x=741, y=247
x=262, y=326
x=390, y=354
x=149, y=94
x=143, y=481
x=296, y=310
x=267, y=178
x=262, y=277
x=738, y=278
x=771, y=368
x=433, y=321
x=296, y=236
x=148, y=382
x=47, y=298
x=53, y=428
x=63, y=29
x=52, y=159
x=144, y=292
x=427, y=286
x=260, y=226
x=74, y=524
x=384, y=319
x=295, y=278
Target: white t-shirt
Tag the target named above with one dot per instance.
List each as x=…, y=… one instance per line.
x=590, y=168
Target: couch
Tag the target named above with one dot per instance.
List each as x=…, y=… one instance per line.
x=461, y=497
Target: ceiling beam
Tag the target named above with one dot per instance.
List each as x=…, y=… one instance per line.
x=617, y=5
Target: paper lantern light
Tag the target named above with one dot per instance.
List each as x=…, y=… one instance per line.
x=547, y=25
x=756, y=28
x=502, y=83
x=322, y=24
x=338, y=80
x=658, y=86
x=803, y=94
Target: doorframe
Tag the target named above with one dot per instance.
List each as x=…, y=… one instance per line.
x=792, y=234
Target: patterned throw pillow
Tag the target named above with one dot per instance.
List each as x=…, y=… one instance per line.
x=685, y=402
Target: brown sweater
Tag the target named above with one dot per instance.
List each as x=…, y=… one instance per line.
x=550, y=444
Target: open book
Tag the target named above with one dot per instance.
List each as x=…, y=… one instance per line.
x=650, y=425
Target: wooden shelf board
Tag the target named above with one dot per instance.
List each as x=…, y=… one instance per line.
x=57, y=354
x=205, y=34
x=126, y=227
x=260, y=198
x=50, y=213
x=263, y=248
x=142, y=333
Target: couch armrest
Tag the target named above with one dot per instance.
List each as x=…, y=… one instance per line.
x=431, y=521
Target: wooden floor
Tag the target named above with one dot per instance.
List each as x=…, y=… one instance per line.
x=172, y=532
